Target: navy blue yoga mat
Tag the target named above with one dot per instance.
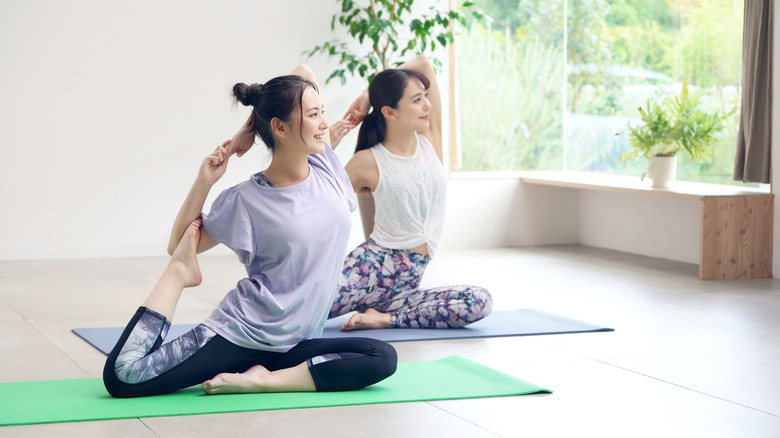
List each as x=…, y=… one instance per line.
x=523, y=322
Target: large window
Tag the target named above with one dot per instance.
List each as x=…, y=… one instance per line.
x=552, y=84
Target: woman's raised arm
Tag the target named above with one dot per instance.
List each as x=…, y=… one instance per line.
x=211, y=170
x=422, y=65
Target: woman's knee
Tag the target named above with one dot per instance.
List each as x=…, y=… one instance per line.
x=356, y=363
x=115, y=387
x=381, y=362
x=485, y=300
x=387, y=360
x=478, y=304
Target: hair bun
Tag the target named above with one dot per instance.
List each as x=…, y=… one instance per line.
x=247, y=94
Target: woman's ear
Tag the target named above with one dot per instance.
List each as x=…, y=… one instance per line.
x=389, y=112
x=279, y=127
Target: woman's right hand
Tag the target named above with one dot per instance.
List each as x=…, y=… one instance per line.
x=359, y=109
x=244, y=139
x=338, y=130
x=214, y=165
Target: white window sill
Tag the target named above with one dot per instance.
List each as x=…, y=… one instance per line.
x=614, y=183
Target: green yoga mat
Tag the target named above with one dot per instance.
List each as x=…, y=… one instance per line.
x=53, y=401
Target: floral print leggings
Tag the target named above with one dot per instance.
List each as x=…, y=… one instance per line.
x=387, y=280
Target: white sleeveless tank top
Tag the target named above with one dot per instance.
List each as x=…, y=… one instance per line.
x=409, y=198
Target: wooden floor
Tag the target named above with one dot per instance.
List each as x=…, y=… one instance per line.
x=689, y=358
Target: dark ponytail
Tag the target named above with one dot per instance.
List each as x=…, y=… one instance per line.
x=276, y=98
x=386, y=89
x=372, y=130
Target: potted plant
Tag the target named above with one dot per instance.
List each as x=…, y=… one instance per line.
x=383, y=25
x=673, y=125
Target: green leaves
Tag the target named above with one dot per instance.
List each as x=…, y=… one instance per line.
x=380, y=28
x=679, y=123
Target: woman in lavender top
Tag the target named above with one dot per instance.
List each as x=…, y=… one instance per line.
x=289, y=226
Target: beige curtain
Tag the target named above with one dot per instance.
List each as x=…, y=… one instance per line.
x=754, y=140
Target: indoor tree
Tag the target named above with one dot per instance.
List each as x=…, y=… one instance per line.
x=389, y=31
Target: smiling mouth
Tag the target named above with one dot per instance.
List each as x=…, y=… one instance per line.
x=320, y=137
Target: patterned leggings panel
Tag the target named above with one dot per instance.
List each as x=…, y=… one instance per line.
x=140, y=365
x=135, y=364
x=388, y=280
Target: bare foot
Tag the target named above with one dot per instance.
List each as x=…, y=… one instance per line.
x=253, y=380
x=259, y=379
x=184, y=261
x=370, y=319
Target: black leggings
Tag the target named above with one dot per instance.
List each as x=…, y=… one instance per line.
x=336, y=364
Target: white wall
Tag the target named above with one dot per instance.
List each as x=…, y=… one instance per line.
x=652, y=226
x=485, y=211
x=500, y=211
x=108, y=107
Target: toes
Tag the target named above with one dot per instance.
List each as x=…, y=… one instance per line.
x=355, y=322
x=214, y=385
x=208, y=387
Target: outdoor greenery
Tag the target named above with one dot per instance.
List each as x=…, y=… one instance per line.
x=389, y=32
x=517, y=122
x=610, y=57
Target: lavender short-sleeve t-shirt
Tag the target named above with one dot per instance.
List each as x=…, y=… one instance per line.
x=292, y=241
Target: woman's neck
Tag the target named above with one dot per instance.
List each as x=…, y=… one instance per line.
x=287, y=169
x=400, y=143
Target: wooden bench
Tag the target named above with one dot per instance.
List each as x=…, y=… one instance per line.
x=736, y=223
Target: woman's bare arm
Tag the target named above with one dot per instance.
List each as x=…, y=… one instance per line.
x=211, y=170
x=422, y=65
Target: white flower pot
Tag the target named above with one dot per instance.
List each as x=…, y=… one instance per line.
x=662, y=170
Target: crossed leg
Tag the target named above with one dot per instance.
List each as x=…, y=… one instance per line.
x=140, y=366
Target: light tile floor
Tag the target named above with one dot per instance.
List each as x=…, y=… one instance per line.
x=688, y=358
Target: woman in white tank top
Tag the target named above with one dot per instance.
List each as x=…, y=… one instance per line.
x=398, y=164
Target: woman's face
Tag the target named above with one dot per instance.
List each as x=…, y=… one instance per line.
x=414, y=108
x=314, y=125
